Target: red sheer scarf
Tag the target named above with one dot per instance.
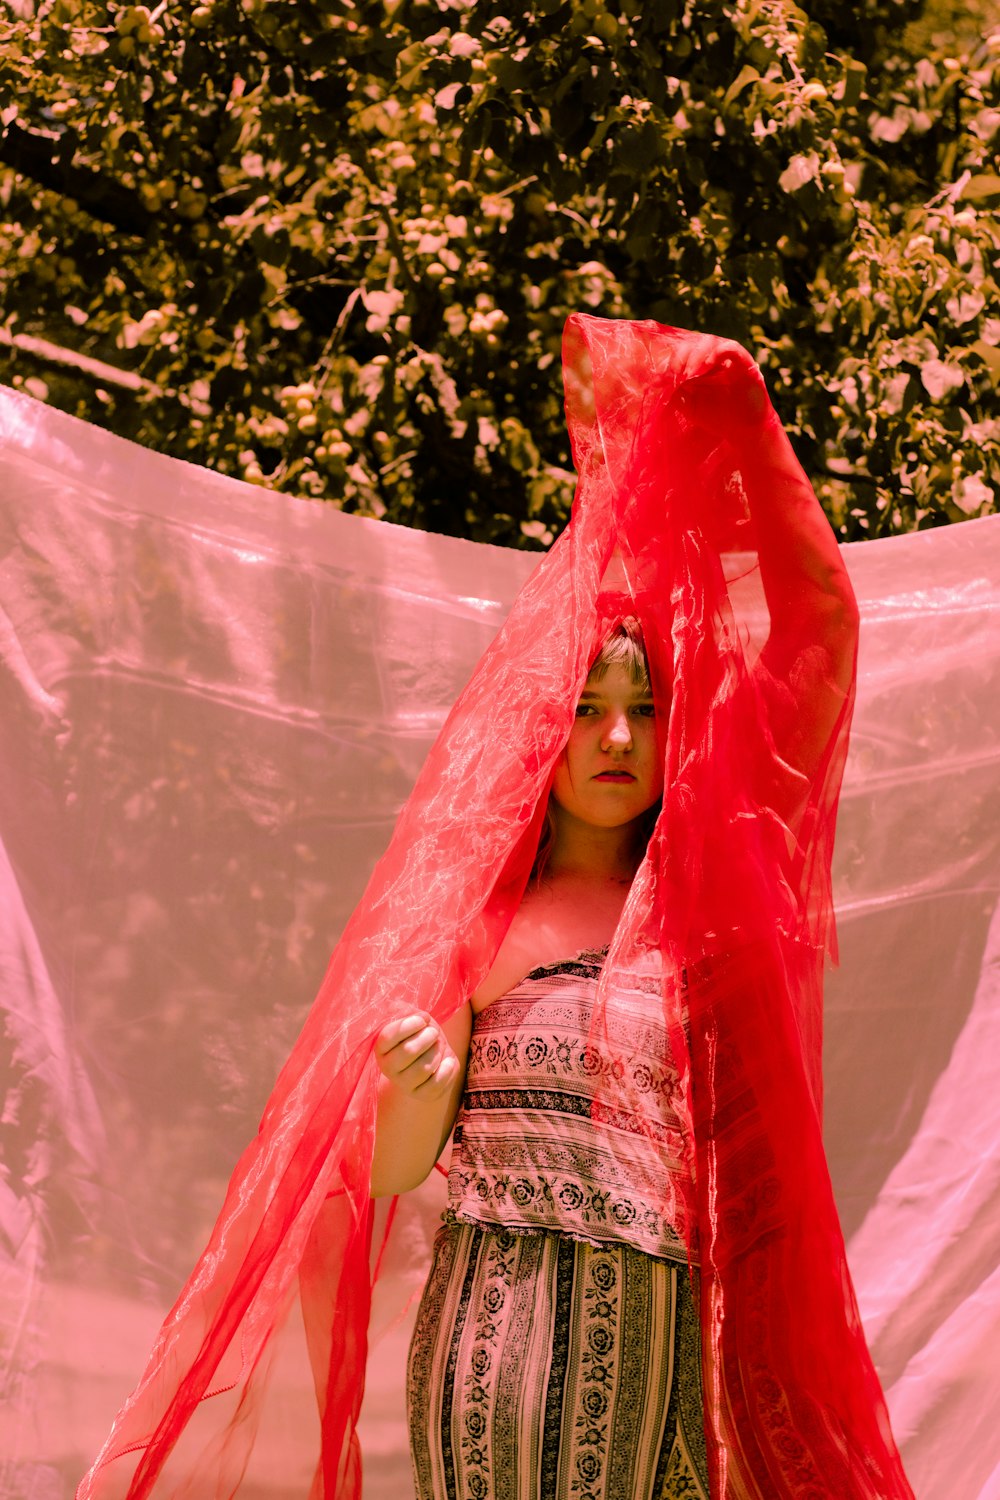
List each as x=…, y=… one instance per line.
x=729, y=916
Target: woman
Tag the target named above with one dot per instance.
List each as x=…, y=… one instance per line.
x=572, y=1358
x=688, y=487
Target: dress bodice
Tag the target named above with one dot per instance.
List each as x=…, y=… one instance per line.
x=535, y=1145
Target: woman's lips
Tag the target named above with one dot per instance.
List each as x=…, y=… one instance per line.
x=622, y=776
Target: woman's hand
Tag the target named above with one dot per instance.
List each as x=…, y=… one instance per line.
x=716, y=390
x=414, y=1054
x=723, y=382
x=423, y=1064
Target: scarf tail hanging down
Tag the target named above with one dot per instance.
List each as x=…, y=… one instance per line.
x=731, y=904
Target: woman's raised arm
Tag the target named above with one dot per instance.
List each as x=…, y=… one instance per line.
x=806, y=667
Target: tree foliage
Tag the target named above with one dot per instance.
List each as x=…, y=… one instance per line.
x=330, y=247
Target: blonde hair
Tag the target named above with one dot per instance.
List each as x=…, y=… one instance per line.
x=622, y=647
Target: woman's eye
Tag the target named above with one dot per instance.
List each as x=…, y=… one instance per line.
x=583, y=709
x=646, y=710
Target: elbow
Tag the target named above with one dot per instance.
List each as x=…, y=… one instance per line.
x=836, y=604
x=841, y=607
x=847, y=608
x=385, y=1183
x=826, y=616
x=843, y=590
x=388, y=1184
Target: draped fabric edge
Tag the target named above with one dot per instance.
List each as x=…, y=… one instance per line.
x=297, y=1213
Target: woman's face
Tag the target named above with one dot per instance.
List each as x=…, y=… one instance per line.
x=610, y=772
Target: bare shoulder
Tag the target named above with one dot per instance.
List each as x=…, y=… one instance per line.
x=547, y=927
x=517, y=956
x=532, y=938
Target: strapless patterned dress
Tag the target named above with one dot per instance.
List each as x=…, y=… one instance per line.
x=556, y=1351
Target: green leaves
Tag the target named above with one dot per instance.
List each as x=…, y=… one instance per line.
x=804, y=167
x=332, y=248
x=938, y=377
x=744, y=77
x=983, y=189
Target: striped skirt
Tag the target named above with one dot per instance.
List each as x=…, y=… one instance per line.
x=542, y=1368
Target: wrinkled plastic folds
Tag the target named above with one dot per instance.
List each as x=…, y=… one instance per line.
x=95, y=611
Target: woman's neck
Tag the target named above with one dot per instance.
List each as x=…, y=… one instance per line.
x=584, y=852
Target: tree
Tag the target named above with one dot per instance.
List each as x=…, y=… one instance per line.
x=330, y=247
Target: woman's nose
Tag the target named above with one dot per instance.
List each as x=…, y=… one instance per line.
x=618, y=734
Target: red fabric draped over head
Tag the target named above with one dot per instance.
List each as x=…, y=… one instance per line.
x=677, y=519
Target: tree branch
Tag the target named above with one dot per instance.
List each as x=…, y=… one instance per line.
x=97, y=370
x=49, y=159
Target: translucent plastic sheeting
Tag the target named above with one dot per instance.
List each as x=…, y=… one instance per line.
x=212, y=705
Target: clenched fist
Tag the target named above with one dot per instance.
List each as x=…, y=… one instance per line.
x=723, y=381
x=414, y=1054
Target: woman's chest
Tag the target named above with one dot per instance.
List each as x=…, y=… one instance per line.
x=549, y=928
x=548, y=1034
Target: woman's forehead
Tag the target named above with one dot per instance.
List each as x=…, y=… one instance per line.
x=615, y=678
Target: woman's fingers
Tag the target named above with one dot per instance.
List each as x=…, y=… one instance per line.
x=418, y=1048
x=395, y=1032
x=414, y=1054
x=733, y=384
x=715, y=357
x=409, y=1048
x=439, y=1080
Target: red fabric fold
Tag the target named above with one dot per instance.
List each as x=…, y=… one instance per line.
x=681, y=517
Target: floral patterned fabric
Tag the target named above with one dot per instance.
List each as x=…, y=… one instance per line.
x=556, y=1353
x=544, y=1368
x=534, y=1146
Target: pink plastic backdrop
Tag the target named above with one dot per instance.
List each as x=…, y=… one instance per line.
x=212, y=705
